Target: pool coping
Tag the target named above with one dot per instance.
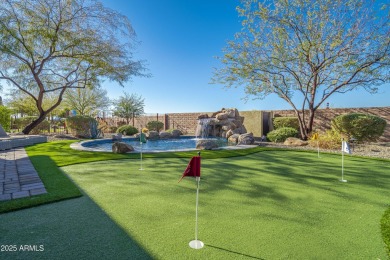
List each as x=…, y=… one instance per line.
x=80, y=147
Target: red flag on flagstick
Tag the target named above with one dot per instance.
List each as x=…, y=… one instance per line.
x=193, y=168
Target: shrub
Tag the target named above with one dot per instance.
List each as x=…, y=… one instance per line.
x=127, y=130
x=83, y=126
x=155, y=126
x=280, y=122
x=42, y=127
x=327, y=140
x=113, y=129
x=22, y=122
x=281, y=134
x=5, y=118
x=363, y=127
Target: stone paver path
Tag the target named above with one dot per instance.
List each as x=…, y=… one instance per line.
x=18, y=177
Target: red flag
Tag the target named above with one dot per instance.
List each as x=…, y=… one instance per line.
x=193, y=168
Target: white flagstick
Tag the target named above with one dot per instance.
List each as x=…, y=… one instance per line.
x=196, y=244
x=342, y=161
x=140, y=140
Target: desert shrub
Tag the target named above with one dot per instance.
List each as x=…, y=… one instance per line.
x=155, y=126
x=42, y=127
x=327, y=140
x=113, y=129
x=280, y=122
x=127, y=130
x=5, y=118
x=83, y=126
x=22, y=122
x=363, y=127
x=281, y=134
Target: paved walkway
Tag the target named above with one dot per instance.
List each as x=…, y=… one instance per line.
x=18, y=177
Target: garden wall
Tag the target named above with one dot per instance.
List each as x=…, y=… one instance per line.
x=260, y=122
x=323, y=117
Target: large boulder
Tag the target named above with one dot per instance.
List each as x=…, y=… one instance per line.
x=222, y=116
x=176, y=133
x=233, y=138
x=153, y=135
x=229, y=133
x=292, y=141
x=203, y=116
x=165, y=135
x=120, y=147
x=206, y=144
x=246, y=139
x=231, y=112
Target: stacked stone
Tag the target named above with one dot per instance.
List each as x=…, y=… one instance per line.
x=227, y=123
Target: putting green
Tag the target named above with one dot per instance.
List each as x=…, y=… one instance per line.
x=268, y=205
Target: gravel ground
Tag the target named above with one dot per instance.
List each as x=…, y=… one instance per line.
x=379, y=150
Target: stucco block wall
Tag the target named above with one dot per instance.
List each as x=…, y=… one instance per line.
x=253, y=120
x=324, y=117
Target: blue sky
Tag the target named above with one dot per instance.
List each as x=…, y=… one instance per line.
x=180, y=40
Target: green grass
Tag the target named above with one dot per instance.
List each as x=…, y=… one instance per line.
x=58, y=186
x=61, y=153
x=264, y=205
x=385, y=226
x=270, y=205
x=47, y=157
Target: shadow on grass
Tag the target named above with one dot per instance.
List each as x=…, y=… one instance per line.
x=71, y=229
x=234, y=252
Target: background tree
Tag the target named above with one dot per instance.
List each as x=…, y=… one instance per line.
x=87, y=101
x=310, y=49
x=23, y=104
x=50, y=46
x=129, y=106
x=5, y=118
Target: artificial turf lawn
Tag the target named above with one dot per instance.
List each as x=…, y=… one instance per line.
x=47, y=157
x=269, y=205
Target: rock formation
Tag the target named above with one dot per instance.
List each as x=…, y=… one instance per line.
x=292, y=141
x=223, y=123
x=119, y=147
x=206, y=144
x=226, y=123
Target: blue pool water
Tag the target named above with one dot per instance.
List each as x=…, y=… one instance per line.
x=182, y=143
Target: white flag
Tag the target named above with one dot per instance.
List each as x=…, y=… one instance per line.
x=345, y=147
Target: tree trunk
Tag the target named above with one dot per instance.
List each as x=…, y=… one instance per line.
x=311, y=120
x=302, y=124
x=34, y=123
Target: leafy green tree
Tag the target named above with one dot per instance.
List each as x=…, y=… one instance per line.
x=87, y=101
x=305, y=51
x=5, y=118
x=129, y=106
x=50, y=46
x=155, y=126
x=22, y=103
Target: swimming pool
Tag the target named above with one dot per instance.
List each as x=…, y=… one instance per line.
x=176, y=144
